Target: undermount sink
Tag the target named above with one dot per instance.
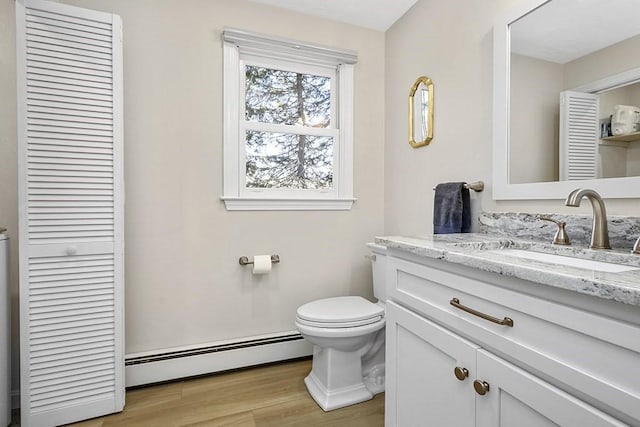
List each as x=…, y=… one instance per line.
x=564, y=260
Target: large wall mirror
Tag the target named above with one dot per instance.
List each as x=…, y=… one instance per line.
x=560, y=69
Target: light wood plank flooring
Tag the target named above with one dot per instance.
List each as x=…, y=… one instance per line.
x=263, y=397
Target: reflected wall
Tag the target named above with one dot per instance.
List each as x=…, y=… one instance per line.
x=534, y=111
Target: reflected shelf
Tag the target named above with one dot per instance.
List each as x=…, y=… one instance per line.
x=628, y=137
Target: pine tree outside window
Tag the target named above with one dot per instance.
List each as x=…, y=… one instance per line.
x=288, y=142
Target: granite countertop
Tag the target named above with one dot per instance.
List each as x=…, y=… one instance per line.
x=485, y=253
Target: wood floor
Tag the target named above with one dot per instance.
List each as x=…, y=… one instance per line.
x=263, y=397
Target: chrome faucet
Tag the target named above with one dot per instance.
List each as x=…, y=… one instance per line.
x=636, y=247
x=599, y=230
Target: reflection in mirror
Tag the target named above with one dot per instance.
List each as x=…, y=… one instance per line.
x=420, y=108
x=421, y=112
x=572, y=64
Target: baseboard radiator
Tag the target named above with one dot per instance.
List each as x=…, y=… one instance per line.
x=172, y=364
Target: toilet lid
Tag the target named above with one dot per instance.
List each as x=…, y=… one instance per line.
x=344, y=310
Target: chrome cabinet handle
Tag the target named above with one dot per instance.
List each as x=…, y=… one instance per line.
x=461, y=373
x=507, y=321
x=481, y=387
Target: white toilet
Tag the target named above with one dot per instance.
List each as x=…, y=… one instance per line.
x=347, y=334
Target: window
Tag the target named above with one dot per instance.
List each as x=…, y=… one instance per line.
x=288, y=142
x=289, y=127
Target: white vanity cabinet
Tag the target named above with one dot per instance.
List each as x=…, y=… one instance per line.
x=565, y=361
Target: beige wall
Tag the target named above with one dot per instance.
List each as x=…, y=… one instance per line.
x=183, y=282
x=534, y=122
x=451, y=42
x=614, y=59
x=633, y=152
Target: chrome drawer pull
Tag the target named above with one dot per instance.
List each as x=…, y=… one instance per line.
x=507, y=321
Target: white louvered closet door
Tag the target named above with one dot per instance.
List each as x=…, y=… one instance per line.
x=579, y=135
x=69, y=66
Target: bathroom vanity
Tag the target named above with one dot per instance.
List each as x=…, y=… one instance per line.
x=483, y=332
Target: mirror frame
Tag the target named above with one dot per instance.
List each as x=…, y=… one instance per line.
x=627, y=187
x=428, y=116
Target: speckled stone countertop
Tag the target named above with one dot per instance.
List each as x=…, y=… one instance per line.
x=486, y=253
x=623, y=230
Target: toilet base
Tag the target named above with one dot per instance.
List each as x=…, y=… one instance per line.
x=338, y=398
x=374, y=378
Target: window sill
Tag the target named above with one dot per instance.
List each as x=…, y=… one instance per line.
x=264, y=204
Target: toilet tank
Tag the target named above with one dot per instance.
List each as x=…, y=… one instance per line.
x=378, y=265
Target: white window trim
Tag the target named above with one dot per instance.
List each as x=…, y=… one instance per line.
x=235, y=195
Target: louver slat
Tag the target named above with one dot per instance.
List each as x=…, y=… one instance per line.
x=40, y=64
x=53, y=344
x=578, y=136
x=58, y=21
x=73, y=61
x=69, y=68
x=84, y=397
x=45, y=47
x=90, y=23
x=54, y=389
x=71, y=76
x=44, y=116
x=62, y=35
x=82, y=33
x=62, y=121
x=72, y=91
x=78, y=308
x=68, y=371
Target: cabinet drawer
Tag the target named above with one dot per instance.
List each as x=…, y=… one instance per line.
x=594, y=357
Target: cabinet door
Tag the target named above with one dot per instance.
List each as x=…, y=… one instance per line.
x=69, y=68
x=421, y=386
x=517, y=398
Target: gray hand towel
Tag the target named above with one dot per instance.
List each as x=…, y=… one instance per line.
x=451, y=208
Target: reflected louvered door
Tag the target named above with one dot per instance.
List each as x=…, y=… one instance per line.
x=69, y=65
x=579, y=132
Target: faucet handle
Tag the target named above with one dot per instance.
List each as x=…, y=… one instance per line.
x=561, y=237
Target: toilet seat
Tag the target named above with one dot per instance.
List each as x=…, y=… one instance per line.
x=339, y=324
x=339, y=312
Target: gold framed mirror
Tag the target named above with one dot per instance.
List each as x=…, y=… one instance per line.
x=421, y=112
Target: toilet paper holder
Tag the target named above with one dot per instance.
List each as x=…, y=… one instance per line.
x=245, y=260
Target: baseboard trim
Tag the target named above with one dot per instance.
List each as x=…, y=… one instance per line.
x=172, y=364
